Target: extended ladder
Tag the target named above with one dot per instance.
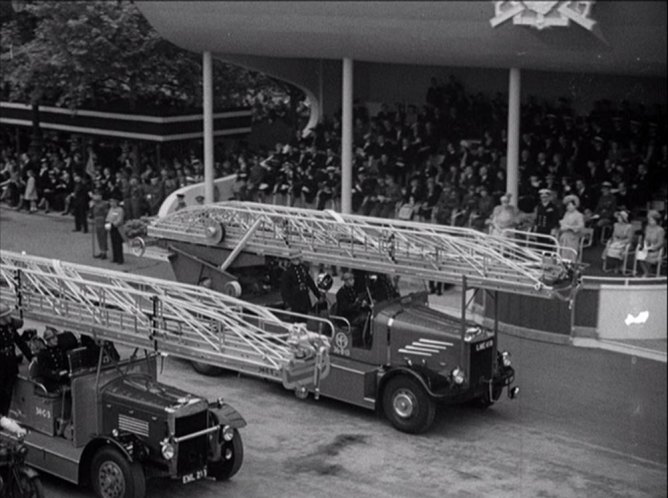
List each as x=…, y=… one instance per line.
x=187, y=321
x=434, y=252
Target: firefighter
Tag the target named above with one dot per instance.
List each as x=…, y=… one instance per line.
x=52, y=365
x=296, y=282
x=9, y=369
x=351, y=306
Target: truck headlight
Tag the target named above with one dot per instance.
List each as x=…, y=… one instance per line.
x=505, y=359
x=471, y=333
x=167, y=449
x=228, y=433
x=458, y=376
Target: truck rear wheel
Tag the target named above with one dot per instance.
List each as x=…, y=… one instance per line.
x=114, y=476
x=407, y=405
x=227, y=467
x=208, y=370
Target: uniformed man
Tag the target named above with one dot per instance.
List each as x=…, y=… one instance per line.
x=296, y=282
x=349, y=304
x=52, y=365
x=547, y=214
x=9, y=338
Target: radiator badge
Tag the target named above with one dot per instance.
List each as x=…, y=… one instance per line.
x=541, y=15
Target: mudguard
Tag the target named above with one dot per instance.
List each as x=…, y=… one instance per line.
x=227, y=415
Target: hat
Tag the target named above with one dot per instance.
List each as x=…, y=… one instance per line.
x=624, y=215
x=199, y=198
x=572, y=198
x=606, y=184
x=180, y=196
x=653, y=213
x=5, y=310
x=49, y=332
x=598, y=138
x=545, y=191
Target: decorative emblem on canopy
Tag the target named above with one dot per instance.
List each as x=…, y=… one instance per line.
x=543, y=14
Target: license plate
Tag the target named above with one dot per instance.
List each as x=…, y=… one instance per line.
x=194, y=476
x=484, y=345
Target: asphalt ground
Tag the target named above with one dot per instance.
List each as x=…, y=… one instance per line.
x=588, y=422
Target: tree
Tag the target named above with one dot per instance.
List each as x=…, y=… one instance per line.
x=102, y=53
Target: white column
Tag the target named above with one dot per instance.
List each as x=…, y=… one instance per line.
x=347, y=137
x=207, y=105
x=513, y=152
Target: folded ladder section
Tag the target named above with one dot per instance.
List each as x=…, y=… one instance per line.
x=187, y=321
x=428, y=251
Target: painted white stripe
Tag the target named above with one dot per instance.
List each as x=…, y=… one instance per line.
x=127, y=117
x=123, y=134
x=431, y=341
x=417, y=347
x=413, y=352
x=345, y=369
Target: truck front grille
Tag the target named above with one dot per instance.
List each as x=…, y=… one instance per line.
x=192, y=453
x=481, y=365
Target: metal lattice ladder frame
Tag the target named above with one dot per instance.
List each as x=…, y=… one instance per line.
x=428, y=251
x=186, y=321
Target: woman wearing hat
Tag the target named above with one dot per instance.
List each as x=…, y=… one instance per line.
x=504, y=217
x=571, y=226
x=622, y=233
x=9, y=365
x=653, y=241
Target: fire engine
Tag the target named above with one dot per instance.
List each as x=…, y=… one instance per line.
x=113, y=424
x=411, y=356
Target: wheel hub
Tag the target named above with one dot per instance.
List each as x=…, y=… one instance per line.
x=404, y=403
x=112, y=484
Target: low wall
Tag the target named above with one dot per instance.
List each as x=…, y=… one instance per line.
x=604, y=308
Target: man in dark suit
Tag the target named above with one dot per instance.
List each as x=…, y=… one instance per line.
x=296, y=283
x=547, y=214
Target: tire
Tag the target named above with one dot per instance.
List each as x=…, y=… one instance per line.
x=114, y=476
x=27, y=487
x=208, y=370
x=225, y=469
x=407, y=405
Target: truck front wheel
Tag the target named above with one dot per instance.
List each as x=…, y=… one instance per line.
x=407, y=405
x=114, y=476
x=230, y=463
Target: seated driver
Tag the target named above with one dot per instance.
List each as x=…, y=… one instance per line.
x=52, y=364
x=350, y=305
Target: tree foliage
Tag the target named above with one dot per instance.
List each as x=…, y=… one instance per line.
x=104, y=53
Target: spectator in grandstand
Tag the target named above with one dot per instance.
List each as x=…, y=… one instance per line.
x=482, y=210
x=504, y=216
x=431, y=195
x=113, y=222
x=605, y=209
x=571, y=227
x=547, y=215
x=99, y=210
x=447, y=205
x=622, y=236
x=30, y=196
x=79, y=203
x=180, y=202
x=652, y=244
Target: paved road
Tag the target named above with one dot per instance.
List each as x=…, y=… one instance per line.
x=588, y=423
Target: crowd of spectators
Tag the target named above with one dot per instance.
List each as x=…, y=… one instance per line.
x=444, y=162
x=441, y=162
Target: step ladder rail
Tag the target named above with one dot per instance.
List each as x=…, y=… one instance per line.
x=400, y=246
x=134, y=297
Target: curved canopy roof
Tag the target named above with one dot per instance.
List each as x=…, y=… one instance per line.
x=628, y=37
